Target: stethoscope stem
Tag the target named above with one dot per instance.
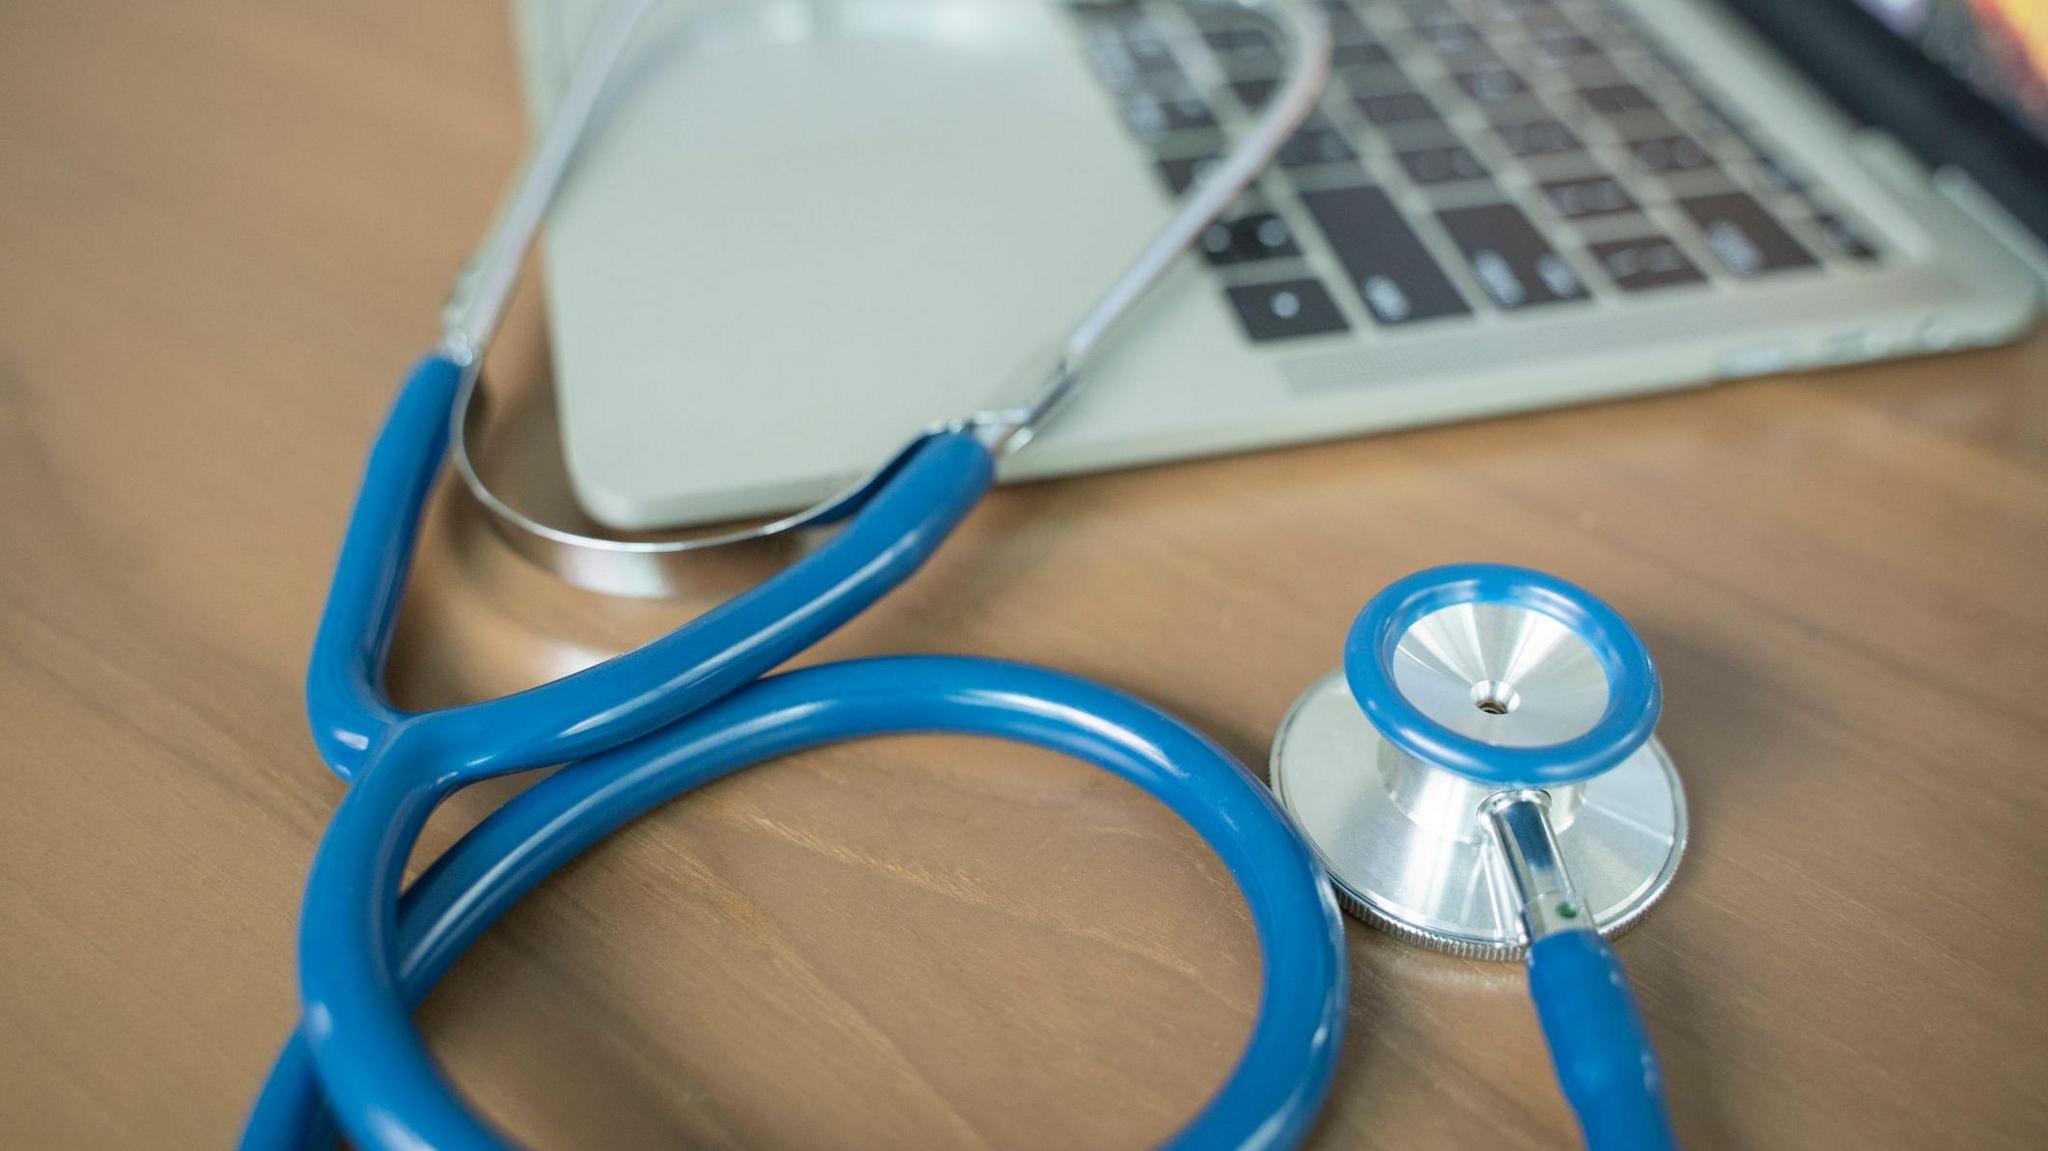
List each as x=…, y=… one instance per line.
x=1605, y=1064
x=1518, y=822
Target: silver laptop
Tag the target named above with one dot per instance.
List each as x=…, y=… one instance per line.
x=808, y=228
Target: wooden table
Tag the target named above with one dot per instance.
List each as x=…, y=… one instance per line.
x=223, y=228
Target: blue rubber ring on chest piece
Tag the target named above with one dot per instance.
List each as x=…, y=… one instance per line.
x=1634, y=696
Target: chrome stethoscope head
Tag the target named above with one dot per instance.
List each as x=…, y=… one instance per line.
x=1481, y=772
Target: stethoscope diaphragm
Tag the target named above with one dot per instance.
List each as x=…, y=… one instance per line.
x=1482, y=668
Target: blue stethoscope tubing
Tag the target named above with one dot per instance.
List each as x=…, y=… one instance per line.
x=685, y=709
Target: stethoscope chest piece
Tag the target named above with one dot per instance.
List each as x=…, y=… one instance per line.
x=1490, y=726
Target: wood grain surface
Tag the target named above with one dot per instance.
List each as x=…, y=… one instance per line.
x=224, y=227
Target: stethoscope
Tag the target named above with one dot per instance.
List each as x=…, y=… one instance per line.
x=691, y=707
x=1489, y=723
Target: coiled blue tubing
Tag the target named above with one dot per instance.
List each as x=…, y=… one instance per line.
x=681, y=711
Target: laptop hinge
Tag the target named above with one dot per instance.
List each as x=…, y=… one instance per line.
x=1990, y=216
x=1887, y=158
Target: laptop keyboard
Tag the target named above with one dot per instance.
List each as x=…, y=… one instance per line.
x=1469, y=157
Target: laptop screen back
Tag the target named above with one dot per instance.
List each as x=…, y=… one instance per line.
x=1998, y=47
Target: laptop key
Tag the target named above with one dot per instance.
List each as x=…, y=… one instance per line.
x=1402, y=107
x=1360, y=53
x=1616, y=99
x=1448, y=35
x=1393, y=272
x=1844, y=238
x=1619, y=21
x=1509, y=257
x=1667, y=68
x=1716, y=124
x=1147, y=48
x=1491, y=84
x=1512, y=11
x=1440, y=165
x=1545, y=17
x=1778, y=177
x=1544, y=136
x=1345, y=26
x=1645, y=262
x=1644, y=126
x=1150, y=116
x=1667, y=154
x=1375, y=79
x=1555, y=46
x=1285, y=309
x=1591, y=196
x=1249, y=63
x=1253, y=94
x=1474, y=58
x=1259, y=236
x=1119, y=71
x=1181, y=173
x=1104, y=11
x=1315, y=144
x=1743, y=236
x=1240, y=38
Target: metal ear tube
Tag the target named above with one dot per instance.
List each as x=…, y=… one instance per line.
x=1481, y=778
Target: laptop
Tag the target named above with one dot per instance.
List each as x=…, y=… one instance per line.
x=806, y=229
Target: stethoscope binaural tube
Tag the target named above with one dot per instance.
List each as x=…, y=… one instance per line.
x=894, y=533
x=382, y=1077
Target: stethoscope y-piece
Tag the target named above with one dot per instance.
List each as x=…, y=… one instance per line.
x=1481, y=777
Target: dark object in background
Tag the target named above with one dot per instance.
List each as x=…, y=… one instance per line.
x=1890, y=77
